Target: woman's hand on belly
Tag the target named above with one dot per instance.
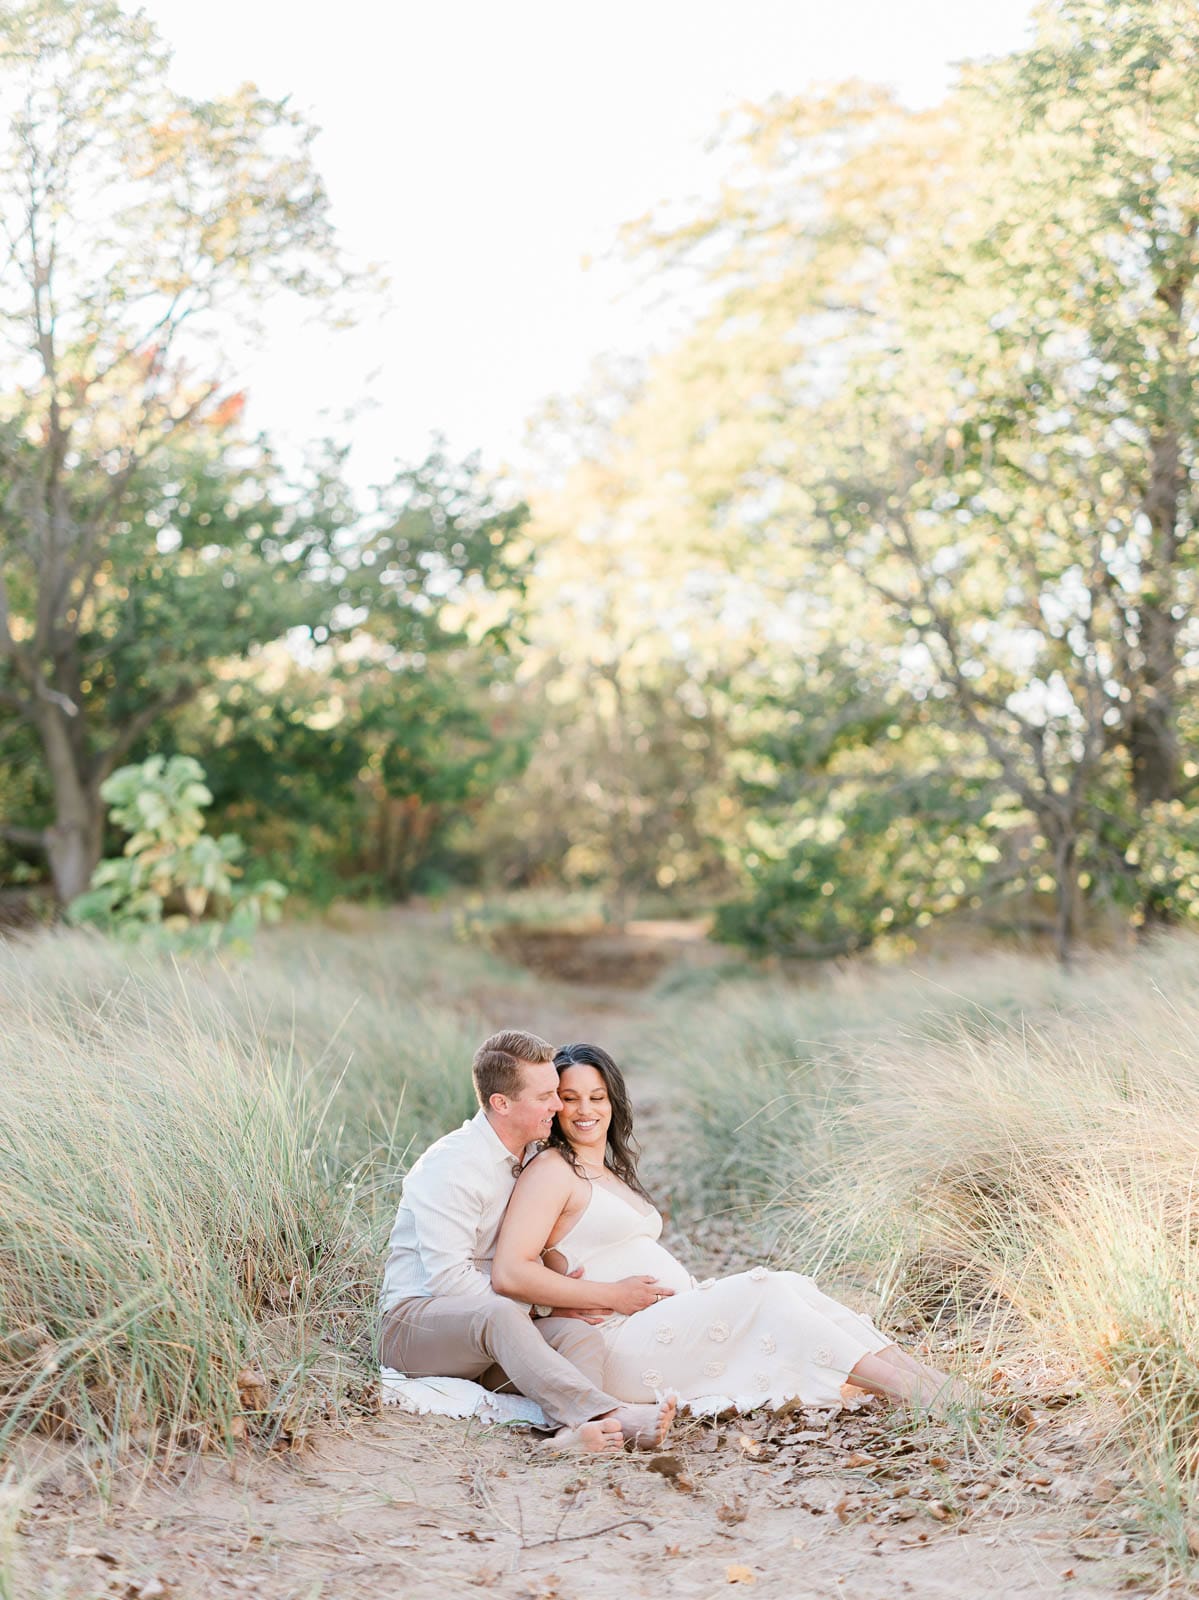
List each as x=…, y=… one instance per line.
x=630, y=1295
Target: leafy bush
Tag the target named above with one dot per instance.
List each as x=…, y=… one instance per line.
x=172, y=874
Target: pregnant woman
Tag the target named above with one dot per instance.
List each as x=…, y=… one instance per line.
x=754, y=1338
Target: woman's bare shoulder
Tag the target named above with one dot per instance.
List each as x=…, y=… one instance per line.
x=549, y=1168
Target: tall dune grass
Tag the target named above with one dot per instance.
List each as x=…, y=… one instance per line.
x=997, y=1150
x=196, y=1164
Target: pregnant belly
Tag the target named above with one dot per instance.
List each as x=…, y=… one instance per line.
x=635, y=1258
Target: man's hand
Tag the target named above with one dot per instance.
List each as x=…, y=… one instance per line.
x=592, y=1314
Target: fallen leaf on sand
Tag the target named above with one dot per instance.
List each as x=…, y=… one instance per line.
x=740, y=1575
x=253, y=1391
x=672, y=1469
x=732, y=1511
x=543, y=1588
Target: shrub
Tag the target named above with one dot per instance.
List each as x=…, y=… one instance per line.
x=172, y=875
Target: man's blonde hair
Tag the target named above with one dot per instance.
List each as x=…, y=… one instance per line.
x=497, y=1065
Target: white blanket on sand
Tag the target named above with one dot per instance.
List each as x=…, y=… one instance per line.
x=457, y=1397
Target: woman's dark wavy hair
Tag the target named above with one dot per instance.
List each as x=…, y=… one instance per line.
x=623, y=1150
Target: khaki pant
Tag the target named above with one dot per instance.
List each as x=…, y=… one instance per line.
x=557, y=1361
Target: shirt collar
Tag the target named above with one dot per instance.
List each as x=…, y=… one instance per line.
x=500, y=1152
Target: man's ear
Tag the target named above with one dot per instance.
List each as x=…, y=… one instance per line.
x=498, y=1103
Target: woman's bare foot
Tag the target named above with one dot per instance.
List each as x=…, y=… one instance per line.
x=602, y=1436
x=645, y=1427
x=955, y=1397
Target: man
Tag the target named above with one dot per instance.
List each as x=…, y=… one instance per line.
x=440, y=1315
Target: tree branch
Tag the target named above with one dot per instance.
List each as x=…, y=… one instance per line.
x=17, y=703
x=107, y=760
x=27, y=838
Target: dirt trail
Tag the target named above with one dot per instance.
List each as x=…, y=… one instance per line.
x=809, y=1506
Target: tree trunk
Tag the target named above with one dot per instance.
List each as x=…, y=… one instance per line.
x=1155, y=758
x=1066, y=871
x=73, y=854
x=1152, y=725
x=75, y=839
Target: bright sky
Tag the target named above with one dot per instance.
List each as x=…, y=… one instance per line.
x=484, y=150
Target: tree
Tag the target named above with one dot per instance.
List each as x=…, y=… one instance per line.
x=625, y=670
x=148, y=545
x=1111, y=100
x=942, y=399
x=359, y=776
x=864, y=815
x=137, y=223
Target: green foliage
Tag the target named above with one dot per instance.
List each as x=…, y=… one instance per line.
x=177, y=546
x=173, y=876
x=136, y=220
x=389, y=717
x=863, y=817
x=931, y=446
x=359, y=782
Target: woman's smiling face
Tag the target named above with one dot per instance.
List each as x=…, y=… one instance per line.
x=586, y=1110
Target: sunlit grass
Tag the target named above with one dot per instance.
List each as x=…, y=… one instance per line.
x=199, y=1166
x=993, y=1152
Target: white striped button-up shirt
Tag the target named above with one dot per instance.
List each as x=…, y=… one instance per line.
x=451, y=1207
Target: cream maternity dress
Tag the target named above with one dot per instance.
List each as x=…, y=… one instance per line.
x=754, y=1338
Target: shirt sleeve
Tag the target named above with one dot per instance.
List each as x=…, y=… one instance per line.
x=447, y=1217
